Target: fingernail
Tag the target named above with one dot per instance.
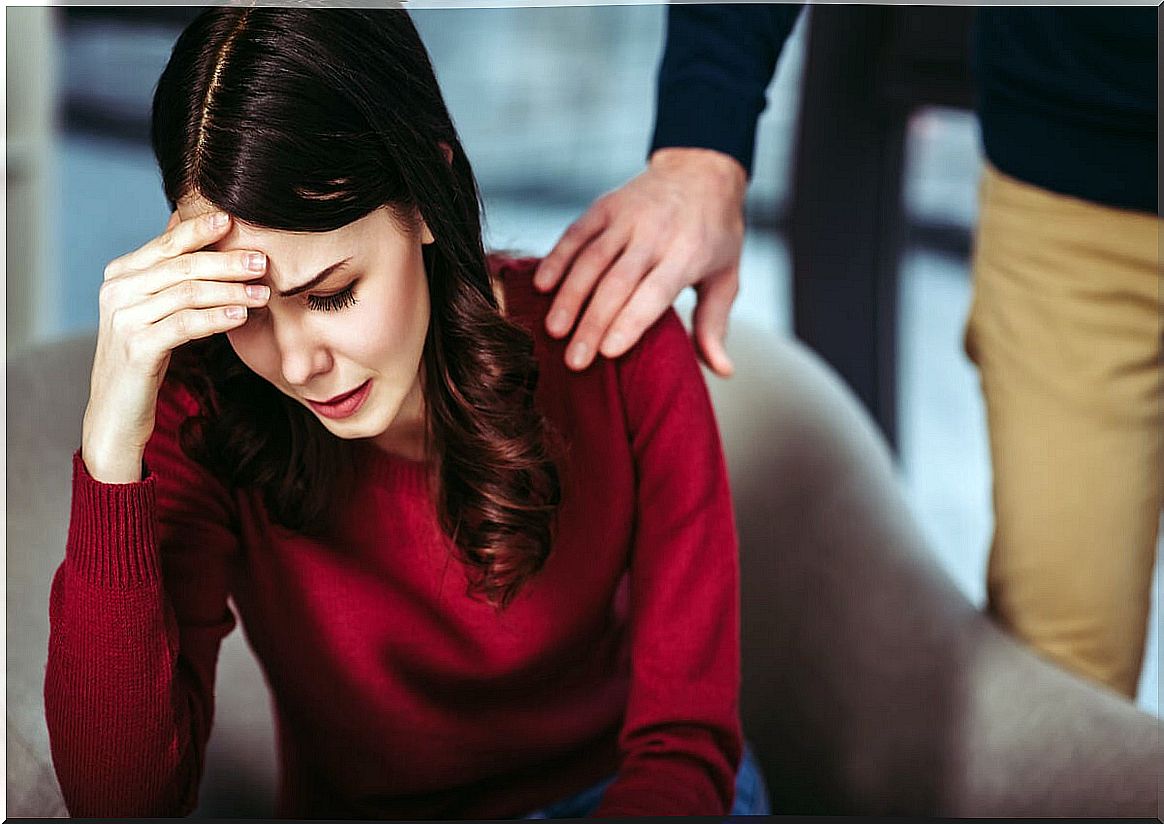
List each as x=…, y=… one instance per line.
x=614, y=343
x=577, y=355
x=258, y=292
x=556, y=323
x=541, y=279
x=218, y=220
x=256, y=261
x=236, y=312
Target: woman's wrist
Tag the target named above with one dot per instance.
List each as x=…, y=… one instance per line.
x=110, y=462
x=118, y=470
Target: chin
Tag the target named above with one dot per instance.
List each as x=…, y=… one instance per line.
x=369, y=422
x=350, y=431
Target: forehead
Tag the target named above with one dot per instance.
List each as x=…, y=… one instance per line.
x=285, y=247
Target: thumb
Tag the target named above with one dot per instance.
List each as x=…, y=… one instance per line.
x=174, y=220
x=714, y=299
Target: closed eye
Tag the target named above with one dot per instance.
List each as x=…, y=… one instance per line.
x=335, y=302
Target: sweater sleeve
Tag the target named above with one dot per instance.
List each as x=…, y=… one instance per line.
x=680, y=742
x=137, y=612
x=716, y=66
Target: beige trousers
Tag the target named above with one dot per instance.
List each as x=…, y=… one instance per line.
x=1066, y=331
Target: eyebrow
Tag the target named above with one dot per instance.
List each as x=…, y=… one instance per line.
x=315, y=281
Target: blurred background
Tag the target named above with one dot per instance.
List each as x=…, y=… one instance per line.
x=555, y=107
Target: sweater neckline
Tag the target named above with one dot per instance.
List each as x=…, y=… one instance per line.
x=394, y=471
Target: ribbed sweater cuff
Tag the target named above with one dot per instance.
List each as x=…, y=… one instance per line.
x=705, y=115
x=113, y=530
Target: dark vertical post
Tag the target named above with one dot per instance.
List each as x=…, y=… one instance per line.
x=846, y=221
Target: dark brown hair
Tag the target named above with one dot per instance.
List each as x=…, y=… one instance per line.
x=306, y=120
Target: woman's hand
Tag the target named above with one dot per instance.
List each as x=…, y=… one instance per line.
x=153, y=300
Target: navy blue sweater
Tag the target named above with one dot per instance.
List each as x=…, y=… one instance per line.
x=1066, y=96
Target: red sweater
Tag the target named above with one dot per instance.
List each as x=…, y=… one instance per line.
x=396, y=695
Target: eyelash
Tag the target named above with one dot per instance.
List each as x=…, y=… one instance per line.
x=333, y=303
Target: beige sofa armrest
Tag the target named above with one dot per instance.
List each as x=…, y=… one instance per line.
x=871, y=684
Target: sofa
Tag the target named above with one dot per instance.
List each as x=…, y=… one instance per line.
x=871, y=685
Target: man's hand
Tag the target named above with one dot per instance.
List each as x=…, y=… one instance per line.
x=679, y=223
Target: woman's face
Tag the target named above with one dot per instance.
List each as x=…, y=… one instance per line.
x=346, y=345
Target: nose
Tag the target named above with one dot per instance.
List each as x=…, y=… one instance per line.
x=303, y=355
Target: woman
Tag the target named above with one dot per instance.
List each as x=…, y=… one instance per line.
x=479, y=586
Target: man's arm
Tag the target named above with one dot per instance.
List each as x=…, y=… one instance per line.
x=680, y=222
x=716, y=67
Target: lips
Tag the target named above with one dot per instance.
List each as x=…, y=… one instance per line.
x=343, y=405
x=337, y=398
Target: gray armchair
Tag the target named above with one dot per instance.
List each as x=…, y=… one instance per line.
x=871, y=685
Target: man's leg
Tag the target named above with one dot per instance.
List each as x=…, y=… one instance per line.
x=1066, y=332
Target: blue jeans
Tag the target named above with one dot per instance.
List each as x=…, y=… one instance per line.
x=751, y=795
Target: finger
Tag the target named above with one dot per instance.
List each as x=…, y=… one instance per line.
x=577, y=235
x=653, y=296
x=611, y=294
x=121, y=294
x=709, y=322
x=187, y=236
x=196, y=294
x=125, y=291
x=173, y=221
x=229, y=266
x=191, y=324
x=575, y=290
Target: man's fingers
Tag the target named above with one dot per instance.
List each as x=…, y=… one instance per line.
x=575, y=290
x=709, y=322
x=609, y=297
x=577, y=235
x=652, y=297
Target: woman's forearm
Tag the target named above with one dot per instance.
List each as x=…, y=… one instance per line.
x=127, y=715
